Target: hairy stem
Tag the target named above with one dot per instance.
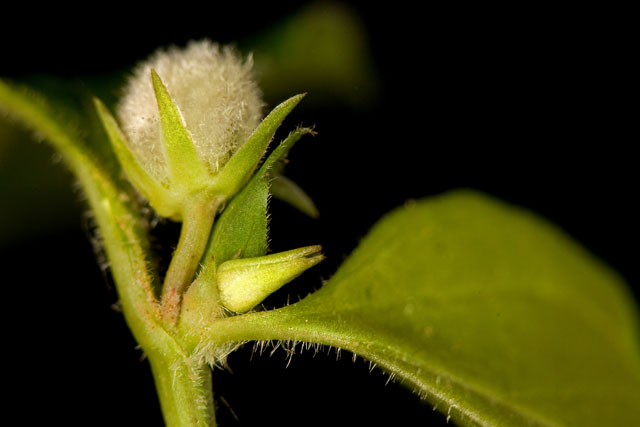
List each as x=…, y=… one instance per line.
x=196, y=226
x=184, y=389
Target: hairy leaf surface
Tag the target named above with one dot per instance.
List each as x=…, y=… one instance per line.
x=489, y=312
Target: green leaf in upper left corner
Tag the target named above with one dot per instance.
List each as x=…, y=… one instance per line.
x=122, y=228
x=31, y=179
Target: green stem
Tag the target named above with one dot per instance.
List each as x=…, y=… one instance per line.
x=196, y=226
x=184, y=389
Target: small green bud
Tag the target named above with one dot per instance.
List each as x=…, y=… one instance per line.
x=245, y=283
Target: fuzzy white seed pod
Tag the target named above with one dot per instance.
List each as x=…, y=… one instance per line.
x=216, y=93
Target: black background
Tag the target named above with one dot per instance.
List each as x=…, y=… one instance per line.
x=531, y=105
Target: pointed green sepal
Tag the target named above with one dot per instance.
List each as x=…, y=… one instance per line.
x=239, y=167
x=150, y=188
x=289, y=192
x=245, y=283
x=186, y=169
x=275, y=162
x=242, y=227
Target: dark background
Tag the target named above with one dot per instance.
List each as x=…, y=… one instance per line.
x=528, y=104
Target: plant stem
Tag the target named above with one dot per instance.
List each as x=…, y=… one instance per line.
x=184, y=389
x=196, y=226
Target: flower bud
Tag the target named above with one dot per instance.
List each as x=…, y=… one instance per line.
x=191, y=130
x=246, y=282
x=215, y=92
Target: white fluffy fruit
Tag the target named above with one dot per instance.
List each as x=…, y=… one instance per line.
x=215, y=90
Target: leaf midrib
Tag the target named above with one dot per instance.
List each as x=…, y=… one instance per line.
x=277, y=325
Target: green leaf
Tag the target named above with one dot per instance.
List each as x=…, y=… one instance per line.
x=490, y=313
x=22, y=207
x=242, y=227
x=32, y=109
x=289, y=192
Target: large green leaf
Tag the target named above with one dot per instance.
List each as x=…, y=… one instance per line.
x=490, y=313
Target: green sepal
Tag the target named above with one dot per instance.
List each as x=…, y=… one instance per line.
x=273, y=164
x=187, y=172
x=241, y=230
x=245, y=283
x=238, y=169
x=145, y=183
x=242, y=227
x=284, y=189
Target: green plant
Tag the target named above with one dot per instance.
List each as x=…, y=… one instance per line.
x=489, y=328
